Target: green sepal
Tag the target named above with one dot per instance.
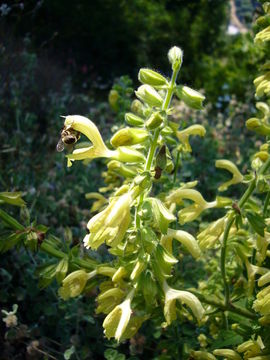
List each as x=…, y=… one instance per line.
x=191, y=98
x=148, y=285
x=46, y=274
x=12, y=198
x=162, y=216
x=150, y=77
x=10, y=221
x=257, y=222
x=133, y=119
x=161, y=158
x=8, y=242
x=61, y=270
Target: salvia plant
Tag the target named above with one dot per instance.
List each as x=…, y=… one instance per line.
x=140, y=217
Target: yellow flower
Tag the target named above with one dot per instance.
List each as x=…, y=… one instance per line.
x=111, y=224
x=74, y=283
x=184, y=135
x=108, y=299
x=186, y=297
x=89, y=129
x=98, y=148
x=209, y=236
x=227, y=353
x=184, y=238
x=262, y=84
x=237, y=176
x=252, y=348
x=202, y=355
x=117, y=321
x=263, y=35
x=262, y=303
x=190, y=212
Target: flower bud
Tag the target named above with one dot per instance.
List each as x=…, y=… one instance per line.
x=227, y=353
x=175, y=56
x=202, y=355
x=139, y=267
x=154, y=121
x=223, y=201
x=191, y=98
x=127, y=154
x=121, y=169
x=149, y=95
x=74, y=284
x=129, y=136
x=137, y=107
x=134, y=120
x=113, y=99
x=256, y=125
x=262, y=155
x=150, y=77
x=119, y=274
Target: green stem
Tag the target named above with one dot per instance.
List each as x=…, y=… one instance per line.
x=86, y=264
x=266, y=203
x=229, y=224
x=220, y=305
x=165, y=107
x=153, y=147
x=176, y=166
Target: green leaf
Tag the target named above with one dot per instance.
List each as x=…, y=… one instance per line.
x=227, y=338
x=111, y=354
x=257, y=222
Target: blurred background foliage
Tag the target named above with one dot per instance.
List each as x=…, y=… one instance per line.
x=63, y=57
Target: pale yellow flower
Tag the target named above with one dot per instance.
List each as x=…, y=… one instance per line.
x=97, y=148
x=184, y=238
x=185, y=297
x=231, y=167
x=74, y=283
x=191, y=212
x=184, y=135
x=117, y=321
x=111, y=224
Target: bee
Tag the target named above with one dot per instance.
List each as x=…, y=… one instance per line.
x=68, y=137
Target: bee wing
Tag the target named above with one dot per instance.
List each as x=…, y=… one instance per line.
x=60, y=146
